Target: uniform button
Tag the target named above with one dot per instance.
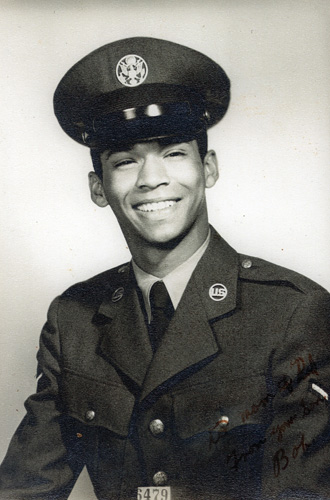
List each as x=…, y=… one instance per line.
x=160, y=478
x=156, y=427
x=122, y=269
x=247, y=263
x=90, y=415
x=223, y=422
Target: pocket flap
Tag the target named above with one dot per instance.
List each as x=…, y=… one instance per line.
x=221, y=406
x=96, y=403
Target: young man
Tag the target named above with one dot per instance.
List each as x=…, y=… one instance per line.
x=191, y=373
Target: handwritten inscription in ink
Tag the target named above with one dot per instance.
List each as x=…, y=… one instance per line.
x=307, y=408
x=235, y=458
x=303, y=371
x=303, y=368
x=281, y=460
x=255, y=408
x=280, y=429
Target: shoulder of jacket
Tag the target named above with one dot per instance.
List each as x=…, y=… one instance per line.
x=254, y=269
x=95, y=288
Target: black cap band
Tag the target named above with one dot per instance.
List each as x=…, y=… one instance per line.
x=146, y=122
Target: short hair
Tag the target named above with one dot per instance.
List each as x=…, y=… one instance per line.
x=200, y=137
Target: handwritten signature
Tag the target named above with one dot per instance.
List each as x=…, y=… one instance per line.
x=307, y=408
x=256, y=407
x=236, y=458
x=281, y=460
x=304, y=369
x=280, y=429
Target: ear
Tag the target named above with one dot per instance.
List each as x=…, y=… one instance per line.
x=211, y=171
x=97, y=191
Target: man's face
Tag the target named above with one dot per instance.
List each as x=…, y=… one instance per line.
x=156, y=191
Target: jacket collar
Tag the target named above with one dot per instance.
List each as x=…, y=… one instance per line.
x=189, y=342
x=126, y=340
x=219, y=265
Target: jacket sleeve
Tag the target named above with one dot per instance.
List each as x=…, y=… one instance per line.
x=44, y=457
x=297, y=453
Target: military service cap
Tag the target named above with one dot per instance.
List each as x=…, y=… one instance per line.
x=140, y=88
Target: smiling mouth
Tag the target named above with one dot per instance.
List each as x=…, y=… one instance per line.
x=155, y=205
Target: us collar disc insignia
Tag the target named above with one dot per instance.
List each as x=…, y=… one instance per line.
x=218, y=292
x=131, y=70
x=117, y=294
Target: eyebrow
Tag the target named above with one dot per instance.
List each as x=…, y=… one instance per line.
x=128, y=148
x=119, y=149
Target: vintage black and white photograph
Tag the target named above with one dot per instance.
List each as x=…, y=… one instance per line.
x=165, y=218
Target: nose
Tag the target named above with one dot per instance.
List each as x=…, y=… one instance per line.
x=152, y=173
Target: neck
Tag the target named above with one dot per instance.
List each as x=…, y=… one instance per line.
x=161, y=259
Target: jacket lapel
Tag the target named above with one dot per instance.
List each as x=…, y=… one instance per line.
x=125, y=342
x=189, y=342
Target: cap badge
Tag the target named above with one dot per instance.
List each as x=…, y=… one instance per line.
x=131, y=70
x=218, y=292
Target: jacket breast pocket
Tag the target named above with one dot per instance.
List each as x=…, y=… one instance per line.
x=221, y=430
x=97, y=403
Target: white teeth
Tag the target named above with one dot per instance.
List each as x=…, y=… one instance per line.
x=151, y=207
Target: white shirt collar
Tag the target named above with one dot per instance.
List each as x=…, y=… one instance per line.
x=175, y=282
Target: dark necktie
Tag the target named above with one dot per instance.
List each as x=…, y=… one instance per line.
x=162, y=311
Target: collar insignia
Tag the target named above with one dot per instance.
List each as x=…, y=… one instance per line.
x=218, y=292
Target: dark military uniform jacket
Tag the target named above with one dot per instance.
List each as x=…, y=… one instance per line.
x=239, y=384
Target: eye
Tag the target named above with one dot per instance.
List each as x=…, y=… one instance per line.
x=173, y=154
x=124, y=163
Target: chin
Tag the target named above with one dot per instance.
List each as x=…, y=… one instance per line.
x=166, y=239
